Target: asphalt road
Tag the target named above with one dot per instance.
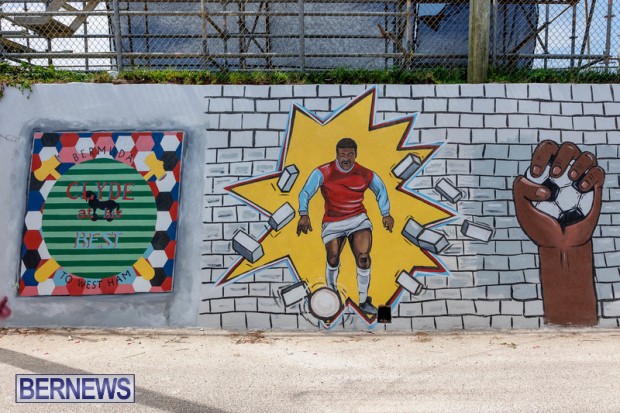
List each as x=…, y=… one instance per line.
x=189, y=371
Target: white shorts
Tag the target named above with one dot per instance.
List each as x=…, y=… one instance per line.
x=344, y=228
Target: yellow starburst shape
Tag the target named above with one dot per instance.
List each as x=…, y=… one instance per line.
x=310, y=142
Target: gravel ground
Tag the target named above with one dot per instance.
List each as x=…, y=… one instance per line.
x=188, y=371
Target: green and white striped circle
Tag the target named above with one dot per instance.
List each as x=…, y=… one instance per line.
x=101, y=248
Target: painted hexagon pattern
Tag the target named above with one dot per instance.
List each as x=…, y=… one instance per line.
x=113, y=179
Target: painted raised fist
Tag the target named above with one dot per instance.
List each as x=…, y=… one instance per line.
x=558, y=204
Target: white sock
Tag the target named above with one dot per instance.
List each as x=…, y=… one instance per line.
x=363, y=281
x=331, y=275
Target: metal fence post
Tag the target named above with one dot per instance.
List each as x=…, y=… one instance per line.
x=117, y=36
x=608, y=33
x=479, y=28
x=302, y=36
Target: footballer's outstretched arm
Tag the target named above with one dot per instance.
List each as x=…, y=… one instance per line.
x=312, y=185
x=378, y=187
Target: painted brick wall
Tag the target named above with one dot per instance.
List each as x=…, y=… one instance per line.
x=490, y=130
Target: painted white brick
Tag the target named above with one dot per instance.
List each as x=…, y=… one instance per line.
x=604, y=291
x=463, y=135
x=516, y=91
x=352, y=90
x=399, y=324
x=494, y=90
x=231, y=121
x=267, y=138
x=397, y=91
x=386, y=105
x=471, y=121
x=561, y=92
x=571, y=109
x=305, y=90
x=607, y=274
x=495, y=121
x=449, y=91
x=487, y=307
x=449, y=294
x=243, y=105
x=533, y=308
x=253, y=154
x=241, y=139
x=222, y=305
x=593, y=109
x=246, y=304
x=233, y=321
x=449, y=323
x=539, y=121
x=509, y=307
x=608, y=323
x=460, y=105
x=476, y=322
x=410, y=309
x=253, y=121
x=529, y=106
x=518, y=121
x=583, y=122
x=284, y=321
x=233, y=90
x=434, y=308
x=472, y=90
x=582, y=92
x=258, y=321
x=531, y=135
x=220, y=105
x=257, y=91
x=278, y=121
x=506, y=105
x=550, y=108
x=408, y=105
x=474, y=293
x=561, y=122
x=425, y=120
x=267, y=106
x=433, y=135
x=601, y=93
x=507, y=135
x=484, y=105
x=435, y=105
x=458, y=307
x=423, y=323
x=329, y=90
x=281, y=91
x=526, y=322
x=604, y=123
x=422, y=91
x=539, y=91
x=501, y=321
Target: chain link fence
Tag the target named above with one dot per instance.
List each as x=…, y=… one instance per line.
x=95, y=35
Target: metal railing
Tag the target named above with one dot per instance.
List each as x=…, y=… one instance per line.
x=93, y=35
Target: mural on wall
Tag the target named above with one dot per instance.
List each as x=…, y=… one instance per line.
x=558, y=203
x=356, y=247
x=102, y=213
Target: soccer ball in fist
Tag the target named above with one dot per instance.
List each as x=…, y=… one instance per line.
x=566, y=202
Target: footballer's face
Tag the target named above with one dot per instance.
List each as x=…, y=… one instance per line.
x=346, y=158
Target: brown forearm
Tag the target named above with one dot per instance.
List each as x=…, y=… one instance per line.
x=567, y=278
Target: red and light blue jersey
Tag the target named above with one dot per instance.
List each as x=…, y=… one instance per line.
x=343, y=191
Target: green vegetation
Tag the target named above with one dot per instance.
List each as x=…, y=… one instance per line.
x=24, y=75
